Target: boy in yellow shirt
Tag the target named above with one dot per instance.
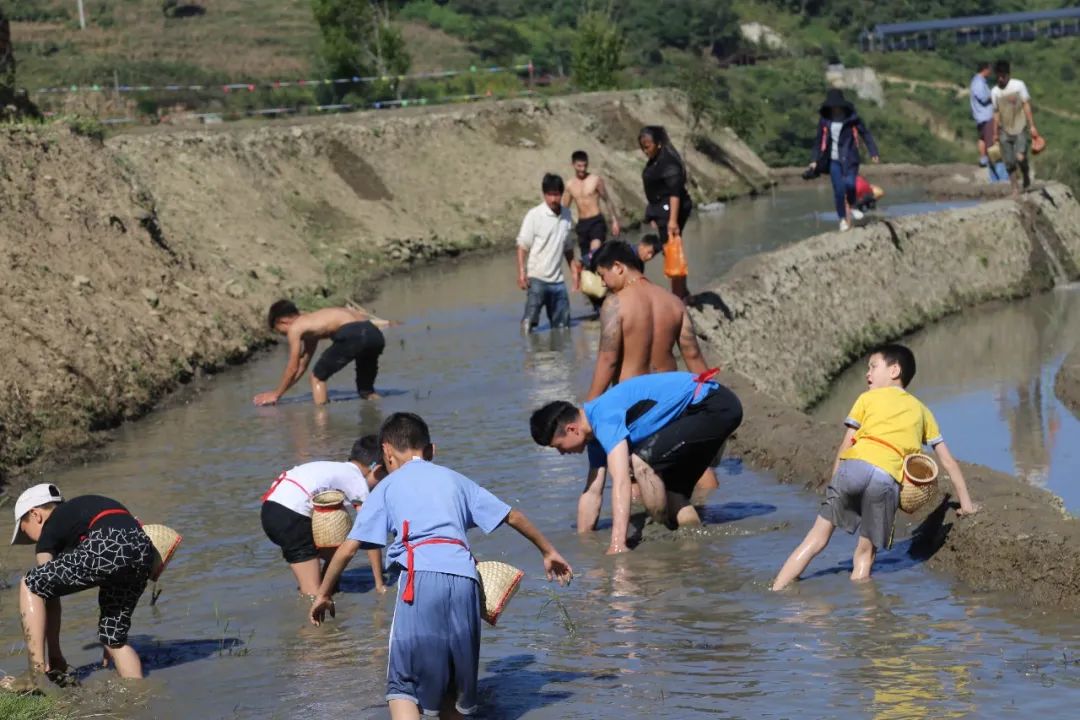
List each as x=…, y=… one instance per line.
x=885, y=424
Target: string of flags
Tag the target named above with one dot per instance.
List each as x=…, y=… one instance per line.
x=276, y=84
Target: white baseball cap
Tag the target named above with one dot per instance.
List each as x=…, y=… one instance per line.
x=33, y=497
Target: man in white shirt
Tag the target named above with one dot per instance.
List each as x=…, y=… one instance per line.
x=287, y=508
x=1014, y=125
x=542, y=243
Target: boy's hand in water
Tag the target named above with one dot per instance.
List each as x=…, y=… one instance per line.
x=319, y=606
x=557, y=568
x=969, y=510
x=266, y=398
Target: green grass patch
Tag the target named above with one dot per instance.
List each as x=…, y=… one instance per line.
x=29, y=707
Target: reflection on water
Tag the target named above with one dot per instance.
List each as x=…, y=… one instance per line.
x=682, y=628
x=988, y=375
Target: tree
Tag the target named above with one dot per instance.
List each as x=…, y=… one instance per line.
x=358, y=40
x=598, y=47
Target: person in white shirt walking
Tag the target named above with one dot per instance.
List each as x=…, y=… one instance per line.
x=543, y=242
x=287, y=509
x=1014, y=125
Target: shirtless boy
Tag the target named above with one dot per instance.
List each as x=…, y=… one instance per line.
x=586, y=191
x=354, y=334
x=640, y=323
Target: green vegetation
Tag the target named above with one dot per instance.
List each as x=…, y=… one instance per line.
x=598, y=49
x=358, y=39
x=15, y=706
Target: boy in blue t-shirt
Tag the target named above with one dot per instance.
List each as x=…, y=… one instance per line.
x=668, y=427
x=435, y=636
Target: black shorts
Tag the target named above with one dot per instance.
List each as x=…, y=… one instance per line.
x=290, y=531
x=115, y=560
x=361, y=342
x=660, y=212
x=986, y=132
x=680, y=452
x=589, y=229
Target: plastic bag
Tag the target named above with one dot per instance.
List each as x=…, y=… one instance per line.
x=674, y=258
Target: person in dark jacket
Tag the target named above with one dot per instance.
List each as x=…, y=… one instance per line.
x=668, y=203
x=836, y=150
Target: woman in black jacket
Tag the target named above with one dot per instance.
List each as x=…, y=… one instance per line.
x=669, y=206
x=836, y=151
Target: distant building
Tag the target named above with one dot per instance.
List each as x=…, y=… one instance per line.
x=982, y=29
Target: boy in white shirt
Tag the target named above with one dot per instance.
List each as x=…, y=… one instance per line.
x=1014, y=125
x=287, y=508
x=544, y=240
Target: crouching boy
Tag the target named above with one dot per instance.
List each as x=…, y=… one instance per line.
x=87, y=541
x=435, y=637
x=287, y=509
x=885, y=424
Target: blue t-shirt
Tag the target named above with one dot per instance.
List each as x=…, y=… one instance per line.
x=982, y=108
x=438, y=503
x=635, y=409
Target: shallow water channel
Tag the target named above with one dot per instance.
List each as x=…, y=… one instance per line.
x=682, y=627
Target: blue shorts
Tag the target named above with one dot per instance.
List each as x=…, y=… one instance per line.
x=435, y=643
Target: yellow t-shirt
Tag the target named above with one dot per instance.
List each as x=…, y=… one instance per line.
x=895, y=416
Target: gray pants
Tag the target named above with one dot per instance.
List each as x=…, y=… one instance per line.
x=862, y=497
x=1011, y=147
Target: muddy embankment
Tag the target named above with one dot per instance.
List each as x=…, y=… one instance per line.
x=785, y=323
x=131, y=266
x=1067, y=382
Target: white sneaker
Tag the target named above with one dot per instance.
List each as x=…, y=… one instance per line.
x=856, y=214
x=844, y=226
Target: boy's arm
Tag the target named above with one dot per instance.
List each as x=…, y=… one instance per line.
x=555, y=566
x=607, y=355
x=957, y=476
x=375, y=558
x=849, y=435
x=601, y=189
x=523, y=279
x=294, y=368
x=591, y=500
x=688, y=346
x=1030, y=118
x=344, y=554
x=618, y=464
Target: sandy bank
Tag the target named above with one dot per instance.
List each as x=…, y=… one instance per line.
x=1067, y=382
x=131, y=266
x=785, y=323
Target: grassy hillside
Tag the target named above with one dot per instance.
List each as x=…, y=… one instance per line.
x=773, y=103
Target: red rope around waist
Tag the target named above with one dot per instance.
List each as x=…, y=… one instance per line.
x=280, y=479
x=409, y=594
x=703, y=378
x=884, y=443
x=102, y=514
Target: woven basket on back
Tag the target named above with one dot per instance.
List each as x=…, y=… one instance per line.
x=165, y=541
x=592, y=285
x=498, y=583
x=330, y=521
x=920, y=482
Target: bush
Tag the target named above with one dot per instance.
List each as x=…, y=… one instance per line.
x=598, y=49
x=89, y=127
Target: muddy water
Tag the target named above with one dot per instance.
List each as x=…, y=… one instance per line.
x=682, y=627
x=988, y=375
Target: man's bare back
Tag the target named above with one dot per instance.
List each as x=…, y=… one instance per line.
x=321, y=324
x=639, y=327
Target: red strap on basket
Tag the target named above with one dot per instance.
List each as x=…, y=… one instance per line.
x=280, y=479
x=703, y=378
x=409, y=594
x=103, y=513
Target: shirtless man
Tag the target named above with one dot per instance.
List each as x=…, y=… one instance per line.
x=640, y=323
x=586, y=191
x=355, y=336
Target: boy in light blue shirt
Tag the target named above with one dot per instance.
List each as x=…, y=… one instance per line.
x=435, y=637
x=982, y=110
